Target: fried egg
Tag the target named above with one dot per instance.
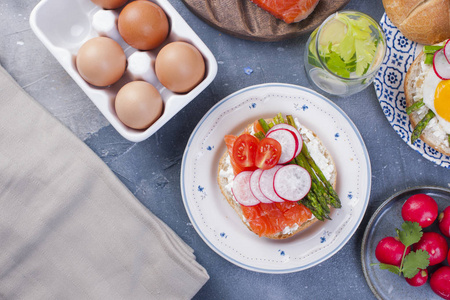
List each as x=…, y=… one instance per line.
x=436, y=96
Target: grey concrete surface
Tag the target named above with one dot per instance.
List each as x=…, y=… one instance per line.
x=151, y=169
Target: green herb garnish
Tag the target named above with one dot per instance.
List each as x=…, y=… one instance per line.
x=412, y=263
x=411, y=234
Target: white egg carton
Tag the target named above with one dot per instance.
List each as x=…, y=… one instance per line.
x=63, y=26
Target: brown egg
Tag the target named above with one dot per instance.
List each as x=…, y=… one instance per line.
x=101, y=61
x=143, y=25
x=179, y=66
x=109, y=4
x=138, y=104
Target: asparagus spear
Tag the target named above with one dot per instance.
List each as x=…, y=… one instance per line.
x=321, y=194
x=280, y=118
x=429, y=58
x=432, y=48
x=332, y=193
x=319, y=173
x=264, y=125
x=318, y=198
x=421, y=125
x=429, y=51
x=415, y=106
x=333, y=200
x=260, y=135
x=314, y=206
x=312, y=203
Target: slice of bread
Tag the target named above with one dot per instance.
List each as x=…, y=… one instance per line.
x=316, y=148
x=413, y=82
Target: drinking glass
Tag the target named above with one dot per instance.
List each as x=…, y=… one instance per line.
x=343, y=55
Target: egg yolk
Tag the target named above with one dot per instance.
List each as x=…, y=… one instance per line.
x=442, y=99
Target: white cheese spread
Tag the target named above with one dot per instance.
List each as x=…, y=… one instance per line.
x=289, y=230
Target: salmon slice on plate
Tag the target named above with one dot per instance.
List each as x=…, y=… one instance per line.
x=290, y=11
x=268, y=219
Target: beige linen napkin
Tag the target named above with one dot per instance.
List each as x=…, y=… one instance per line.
x=69, y=229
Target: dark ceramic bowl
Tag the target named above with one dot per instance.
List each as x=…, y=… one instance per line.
x=384, y=284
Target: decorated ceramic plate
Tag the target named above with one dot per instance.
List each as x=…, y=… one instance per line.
x=389, y=82
x=244, y=19
x=384, y=284
x=217, y=223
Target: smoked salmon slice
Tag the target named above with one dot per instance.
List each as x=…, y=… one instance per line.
x=275, y=216
x=259, y=222
x=267, y=219
x=299, y=213
x=229, y=141
x=290, y=11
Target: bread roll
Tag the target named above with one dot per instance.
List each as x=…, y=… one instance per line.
x=225, y=183
x=422, y=21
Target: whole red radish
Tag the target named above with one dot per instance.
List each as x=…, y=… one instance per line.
x=440, y=282
x=448, y=257
x=444, y=221
x=390, y=250
x=420, y=208
x=436, y=246
x=419, y=279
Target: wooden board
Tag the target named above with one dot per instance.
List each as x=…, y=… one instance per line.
x=244, y=19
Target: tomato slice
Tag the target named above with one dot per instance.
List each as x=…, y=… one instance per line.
x=268, y=153
x=244, y=150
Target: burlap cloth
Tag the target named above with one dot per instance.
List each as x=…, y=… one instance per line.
x=69, y=229
x=243, y=19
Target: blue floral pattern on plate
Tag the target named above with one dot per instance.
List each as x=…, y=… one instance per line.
x=390, y=91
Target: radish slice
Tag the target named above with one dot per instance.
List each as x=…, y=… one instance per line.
x=447, y=51
x=288, y=142
x=440, y=65
x=255, y=188
x=292, y=182
x=266, y=184
x=294, y=131
x=241, y=189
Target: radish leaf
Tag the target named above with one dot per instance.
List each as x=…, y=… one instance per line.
x=414, y=262
x=411, y=234
x=390, y=268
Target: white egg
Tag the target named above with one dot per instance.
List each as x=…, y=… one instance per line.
x=429, y=88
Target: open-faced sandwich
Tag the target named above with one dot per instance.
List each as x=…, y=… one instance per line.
x=427, y=93
x=278, y=177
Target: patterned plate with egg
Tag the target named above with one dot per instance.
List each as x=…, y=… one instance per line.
x=400, y=53
x=217, y=223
